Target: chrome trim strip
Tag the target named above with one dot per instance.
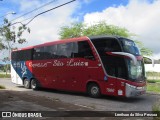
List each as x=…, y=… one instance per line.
x=128, y=55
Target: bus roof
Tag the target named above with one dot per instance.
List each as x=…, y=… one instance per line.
x=104, y=36
x=63, y=41
x=69, y=40
x=57, y=42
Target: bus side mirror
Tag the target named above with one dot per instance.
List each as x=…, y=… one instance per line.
x=132, y=57
x=148, y=60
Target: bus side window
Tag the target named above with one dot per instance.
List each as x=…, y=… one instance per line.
x=38, y=53
x=71, y=49
x=84, y=51
x=113, y=45
x=50, y=52
x=106, y=45
x=61, y=51
x=22, y=55
x=14, y=56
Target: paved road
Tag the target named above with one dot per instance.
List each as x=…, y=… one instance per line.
x=105, y=103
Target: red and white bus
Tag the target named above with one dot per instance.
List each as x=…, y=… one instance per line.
x=107, y=65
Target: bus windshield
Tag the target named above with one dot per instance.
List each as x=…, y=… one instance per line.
x=129, y=46
x=135, y=72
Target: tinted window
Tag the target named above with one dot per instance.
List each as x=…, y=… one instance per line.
x=62, y=51
x=38, y=53
x=65, y=50
x=50, y=52
x=106, y=45
x=115, y=66
x=69, y=50
x=129, y=46
x=14, y=56
x=82, y=50
x=22, y=55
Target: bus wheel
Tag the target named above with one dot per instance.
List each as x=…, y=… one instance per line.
x=27, y=83
x=34, y=84
x=94, y=90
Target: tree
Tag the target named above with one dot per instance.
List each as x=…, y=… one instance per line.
x=80, y=29
x=6, y=66
x=144, y=51
x=10, y=35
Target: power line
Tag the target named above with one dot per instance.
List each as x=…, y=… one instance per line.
x=33, y=10
x=43, y=13
x=50, y=10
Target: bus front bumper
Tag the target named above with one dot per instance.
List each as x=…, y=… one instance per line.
x=132, y=91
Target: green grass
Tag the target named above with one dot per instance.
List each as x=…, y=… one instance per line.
x=2, y=87
x=156, y=109
x=153, y=74
x=5, y=76
x=153, y=81
x=153, y=87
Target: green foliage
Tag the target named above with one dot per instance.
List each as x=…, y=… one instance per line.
x=80, y=29
x=2, y=87
x=5, y=76
x=2, y=46
x=143, y=49
x=153, y=75
x=10, y=35
x=153, y=81
x=75, y=30
x=6, y=67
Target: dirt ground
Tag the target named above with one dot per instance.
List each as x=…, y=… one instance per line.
x=18, y=101
x=15, y=98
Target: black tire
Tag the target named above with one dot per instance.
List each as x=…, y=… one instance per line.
x=34, y=84
x=27, y=83
x=94, y=90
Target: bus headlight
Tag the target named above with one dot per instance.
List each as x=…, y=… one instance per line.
x=141, y=88
x=132, y=86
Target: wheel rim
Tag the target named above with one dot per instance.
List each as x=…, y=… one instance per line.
x=33, y=84
x=26, y=82
x=94, y=90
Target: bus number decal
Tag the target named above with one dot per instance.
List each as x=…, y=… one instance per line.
x=110, y=90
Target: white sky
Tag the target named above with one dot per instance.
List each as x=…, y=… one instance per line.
x=138, y=16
